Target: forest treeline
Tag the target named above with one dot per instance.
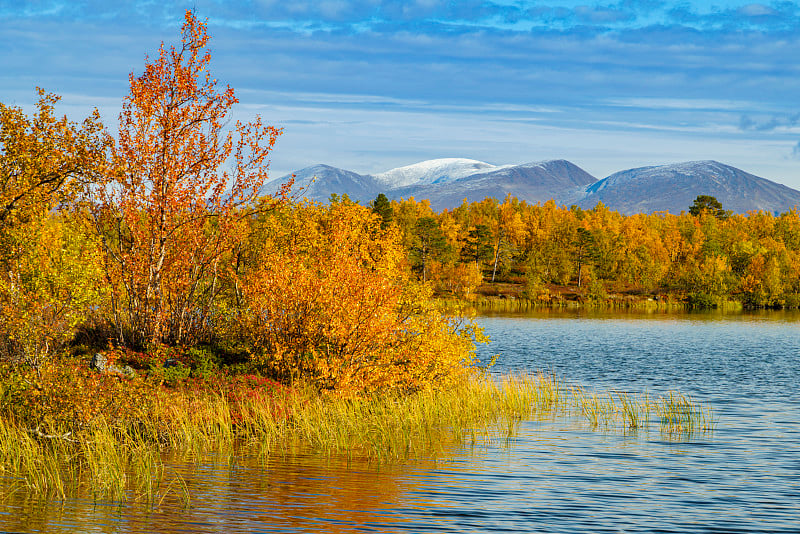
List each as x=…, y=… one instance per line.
x=702, y=256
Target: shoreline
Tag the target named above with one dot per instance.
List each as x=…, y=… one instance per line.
x=122, y=458
x=513, y=297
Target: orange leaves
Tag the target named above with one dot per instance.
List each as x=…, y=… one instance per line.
x=45, y=160
x=169, y=214
x=320, y=295
x=311, y=292
x=328, y=300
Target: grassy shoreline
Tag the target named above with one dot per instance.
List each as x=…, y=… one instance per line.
x=513, y=294
x=121, y=458
x=515, y=297
x=522, y=304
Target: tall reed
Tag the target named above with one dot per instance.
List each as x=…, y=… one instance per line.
x=677, y=413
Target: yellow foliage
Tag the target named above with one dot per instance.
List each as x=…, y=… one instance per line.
x=52, y=278
x=460, y=279
x=45, y=274
x=328, y=299
x=44, y=159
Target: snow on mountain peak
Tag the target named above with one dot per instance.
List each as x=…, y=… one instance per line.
x=432, y=171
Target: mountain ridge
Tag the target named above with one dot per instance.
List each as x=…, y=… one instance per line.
x=447, y=182
x=673, y=188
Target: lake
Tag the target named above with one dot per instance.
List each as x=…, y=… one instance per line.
x=553, y=474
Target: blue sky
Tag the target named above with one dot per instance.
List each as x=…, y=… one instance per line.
x=370, y=84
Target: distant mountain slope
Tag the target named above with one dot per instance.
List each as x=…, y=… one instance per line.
x=445, y=182
x=318, y=182
x=674, y=187
x=532, y=182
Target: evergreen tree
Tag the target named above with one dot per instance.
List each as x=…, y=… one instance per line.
x=429, y=243
x=707, y=202
x=585, y=250
x=383, y=207
x=478, y=245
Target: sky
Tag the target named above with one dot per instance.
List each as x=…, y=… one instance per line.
x=368, y=85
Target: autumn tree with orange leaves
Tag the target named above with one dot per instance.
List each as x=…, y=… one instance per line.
x=44, y=159
x=327, y=299
x=172, y=209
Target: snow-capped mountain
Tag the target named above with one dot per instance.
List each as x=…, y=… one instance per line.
x=674, y=187
x=445, y=182
x=532, y=182
x=432, y=172
x=448, y=182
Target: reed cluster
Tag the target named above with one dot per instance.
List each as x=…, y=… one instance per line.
x=402, y=426
x=676, y=414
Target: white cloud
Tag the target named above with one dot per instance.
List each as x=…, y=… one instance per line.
x=756, y=10
x=683, y=103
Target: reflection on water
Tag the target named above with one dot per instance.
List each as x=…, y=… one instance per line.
x=551, y=475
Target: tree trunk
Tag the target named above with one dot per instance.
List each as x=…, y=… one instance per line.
x=496, y=255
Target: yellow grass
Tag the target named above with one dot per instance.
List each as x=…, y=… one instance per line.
x=122, y=460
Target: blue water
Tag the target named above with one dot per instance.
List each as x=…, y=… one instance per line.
x=556, y=474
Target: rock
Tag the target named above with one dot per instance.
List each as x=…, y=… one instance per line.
x=100, y=363
x=126, y=370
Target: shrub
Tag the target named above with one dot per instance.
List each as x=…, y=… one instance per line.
x=597, y=290
x=328, y=299
x=49, y=282
x=701, y=301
